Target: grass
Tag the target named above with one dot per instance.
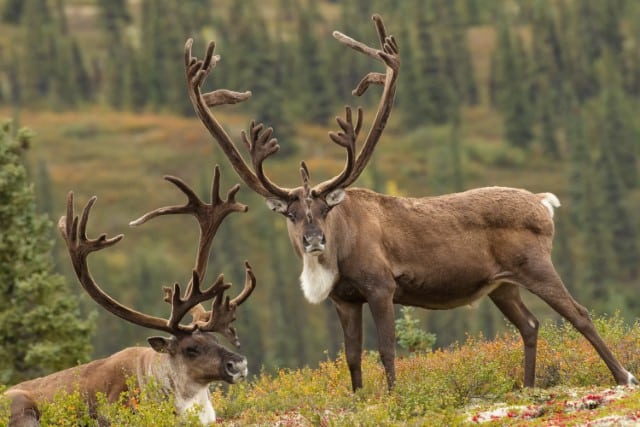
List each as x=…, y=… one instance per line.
x=450, y=386
x=475, y=382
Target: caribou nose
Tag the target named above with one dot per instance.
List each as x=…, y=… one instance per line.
x=237, y=369
x=313, y=242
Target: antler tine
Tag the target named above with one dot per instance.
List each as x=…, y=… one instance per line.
x=346, y=138
x=73, y=232
x=196, y=72
x=180, y=306
x=389, y=55
x=249, y=286
x=223, y=310
x=260, y=146
x=208, y=215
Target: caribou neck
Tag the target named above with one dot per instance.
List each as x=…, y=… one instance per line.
x=172, y=380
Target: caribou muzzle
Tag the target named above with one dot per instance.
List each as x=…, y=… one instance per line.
x=314, y=243
x=236, y=369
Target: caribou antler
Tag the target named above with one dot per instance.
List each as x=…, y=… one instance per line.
x=347, y=139
x=73, y=231
x=209, y=216
x=261, y=145
x=389, y=55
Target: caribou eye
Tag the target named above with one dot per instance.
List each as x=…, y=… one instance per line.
x=290, y=215
x=192, y=352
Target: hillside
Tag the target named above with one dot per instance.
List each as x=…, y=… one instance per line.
x=477, y=382
x=576, y=88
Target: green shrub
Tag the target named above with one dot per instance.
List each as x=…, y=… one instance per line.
x=410, y=336
x=432, y=388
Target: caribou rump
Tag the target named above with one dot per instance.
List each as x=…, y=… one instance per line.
x=181, y=365
x=358, y=246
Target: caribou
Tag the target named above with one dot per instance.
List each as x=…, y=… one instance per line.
x=181, y=365
x=358, y=246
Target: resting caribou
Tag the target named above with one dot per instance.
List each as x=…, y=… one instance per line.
x=181, y=365
x=358, y=246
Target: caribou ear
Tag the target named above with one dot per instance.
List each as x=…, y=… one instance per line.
x=277, y=205
x=335, y=197
x=162, y=344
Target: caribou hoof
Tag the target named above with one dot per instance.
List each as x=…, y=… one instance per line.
x=632, y=380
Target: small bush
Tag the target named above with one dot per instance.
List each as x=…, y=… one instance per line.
x=410, y=336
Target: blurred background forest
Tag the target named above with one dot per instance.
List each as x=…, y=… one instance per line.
x=539, y=94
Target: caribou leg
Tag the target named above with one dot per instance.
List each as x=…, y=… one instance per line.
x=507, y=298
x=350, y=315
x=381, y=306
x=543, y=281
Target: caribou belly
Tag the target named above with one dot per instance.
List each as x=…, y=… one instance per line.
x=441, y=293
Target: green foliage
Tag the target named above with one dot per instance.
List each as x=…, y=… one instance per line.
x=444, y=387
x=436, y=388
x=144, y=406
x=4, y=407
x=577, y=87
x=409, y=335
x=40, y=325
x=512, y=85
x=12, y=11
x=137, y=406
x=66, y=409
x=561, y=349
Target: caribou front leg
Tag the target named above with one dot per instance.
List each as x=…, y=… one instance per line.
x=381, y=305
x=350, y=315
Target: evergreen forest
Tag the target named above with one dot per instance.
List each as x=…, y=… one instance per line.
x=538, y=94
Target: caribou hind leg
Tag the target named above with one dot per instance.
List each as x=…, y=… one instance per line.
x=507, y=298
x=24, y=411
x=542, y=280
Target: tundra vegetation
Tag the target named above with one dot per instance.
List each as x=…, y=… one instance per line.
x=476, y=381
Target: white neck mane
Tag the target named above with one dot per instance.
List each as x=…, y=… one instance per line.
x=316, y=280
x=187, y=395
x=201, y=400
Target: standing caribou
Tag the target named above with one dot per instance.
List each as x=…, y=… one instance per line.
x=358, y=246
x=182, y=365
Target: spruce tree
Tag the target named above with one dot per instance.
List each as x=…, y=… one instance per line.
x=40, y=324
x=512, y=86
x=617, y=165
x=312, y=71
x=12, y=11
x=270, y=96
x=580, y=162
x=618, y=135
x=547, y=82
x=113, y=17
x=432, y=98
x=452, y=33
x=36, y=59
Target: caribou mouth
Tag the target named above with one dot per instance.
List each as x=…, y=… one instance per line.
x=236, y=370
x=314, y=248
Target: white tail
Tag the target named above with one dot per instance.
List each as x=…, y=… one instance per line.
x=550, y=201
